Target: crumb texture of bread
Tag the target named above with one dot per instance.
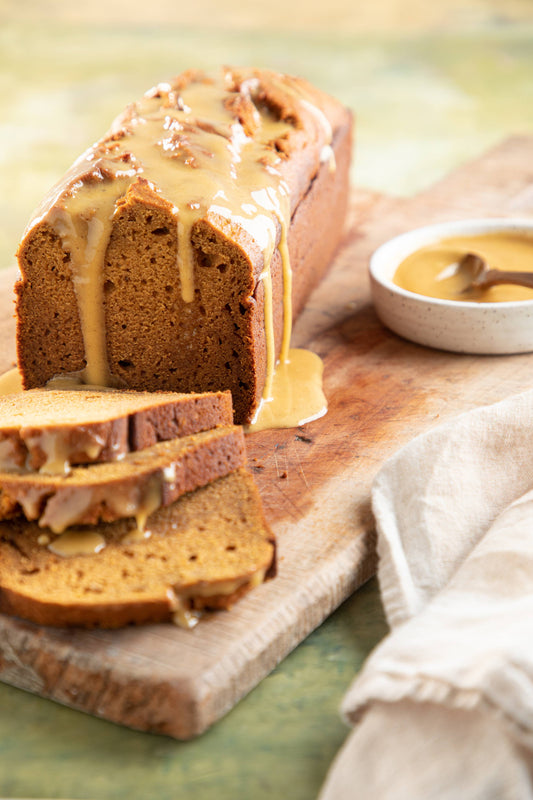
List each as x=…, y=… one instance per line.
x=187, y=225
x=204, y=551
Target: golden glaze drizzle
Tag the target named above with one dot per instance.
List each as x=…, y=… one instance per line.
x=187, y=617
x=127, y=501
x=76, y=543
x=11, y=382
x=297, y=395
x=53, y=448
x=149, y=502
x=85, y=227
x=197, y=151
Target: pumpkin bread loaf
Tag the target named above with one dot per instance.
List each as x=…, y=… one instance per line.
x=48, y=430
x=159, y=262
x=203, y=551
x=133, y=487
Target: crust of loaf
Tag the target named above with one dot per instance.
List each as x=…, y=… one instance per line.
x=88, y=426
x=108, y=491
x=223, y=328
x=199, y=545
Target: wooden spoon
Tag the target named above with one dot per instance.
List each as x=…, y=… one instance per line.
x=479, y=275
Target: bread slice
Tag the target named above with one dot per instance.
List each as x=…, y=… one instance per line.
x=133, y=487
x=204, y=551
x=48, y=430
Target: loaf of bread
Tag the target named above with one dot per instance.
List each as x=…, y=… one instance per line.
x=204, y=551
x=160, y=260
x=49, y=430
x=133, y=487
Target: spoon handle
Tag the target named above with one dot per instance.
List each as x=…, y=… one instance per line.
x=494, y=276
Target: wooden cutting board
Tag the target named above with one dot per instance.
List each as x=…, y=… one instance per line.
x=315, y=482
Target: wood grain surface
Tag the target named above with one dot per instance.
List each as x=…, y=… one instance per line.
x=315, y=482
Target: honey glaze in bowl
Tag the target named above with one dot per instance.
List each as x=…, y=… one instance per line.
x=424, y=261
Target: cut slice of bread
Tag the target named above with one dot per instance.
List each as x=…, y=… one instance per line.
x=205, y=550
x=133, y=487
x=48, y=430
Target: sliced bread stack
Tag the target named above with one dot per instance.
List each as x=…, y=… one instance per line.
x=125, y=507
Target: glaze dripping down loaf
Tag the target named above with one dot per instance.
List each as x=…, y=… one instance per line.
x=159, y=261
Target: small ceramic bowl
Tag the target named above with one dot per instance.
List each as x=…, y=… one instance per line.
x=462, y=327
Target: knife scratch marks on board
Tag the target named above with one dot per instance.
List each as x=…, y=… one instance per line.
x=289, y=504
x=282, y=470
x=278, y=472
x=302, y=473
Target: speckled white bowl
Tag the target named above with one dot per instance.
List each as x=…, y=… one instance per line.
x=463, y=327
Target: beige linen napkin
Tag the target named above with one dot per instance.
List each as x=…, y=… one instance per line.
x=443, y=707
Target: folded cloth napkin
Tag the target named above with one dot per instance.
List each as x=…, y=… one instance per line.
x=443, y=707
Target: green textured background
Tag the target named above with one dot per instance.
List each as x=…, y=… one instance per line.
x=432, y=86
